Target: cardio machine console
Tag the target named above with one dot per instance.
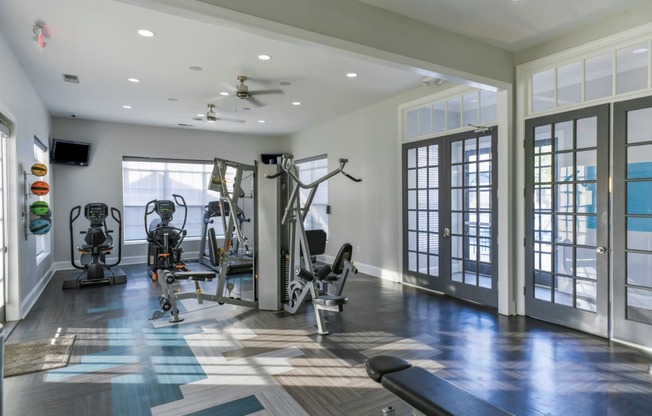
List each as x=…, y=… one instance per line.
x=165, y=209
x=96, y=213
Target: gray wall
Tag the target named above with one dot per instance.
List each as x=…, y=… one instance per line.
x=101, y=181
x=365, y=214
x=20, y=103
x=639, y=16
x=357, y=28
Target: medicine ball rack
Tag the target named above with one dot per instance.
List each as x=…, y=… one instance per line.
x=27, y=215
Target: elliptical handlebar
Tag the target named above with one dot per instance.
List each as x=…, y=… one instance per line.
x=178, y=198
x=287, y=166
x=117, y=217
x=75, y=212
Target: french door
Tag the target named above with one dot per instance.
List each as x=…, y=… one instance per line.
x=450, y=213
x=632, y=229
x=3, y=216
x=567, y=219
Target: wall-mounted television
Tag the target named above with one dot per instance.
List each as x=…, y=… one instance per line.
x=67, y=152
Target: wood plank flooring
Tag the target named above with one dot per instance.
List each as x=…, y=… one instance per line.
x=232, y=360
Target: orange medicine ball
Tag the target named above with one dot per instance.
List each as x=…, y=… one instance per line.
x=40, y=188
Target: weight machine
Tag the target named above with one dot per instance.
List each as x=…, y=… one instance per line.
x=308, y=283
x=212, y=212
x=235, y=260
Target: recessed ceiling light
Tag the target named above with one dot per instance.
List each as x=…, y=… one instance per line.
x=261, y=121
x=640, y=50
x=296, y=103
x=200, y=114
x=224, y=93
x=195, y=68
x=351, y=75
x=145, y=33
x=128, y=107
x=134, y=80
x=264, y=57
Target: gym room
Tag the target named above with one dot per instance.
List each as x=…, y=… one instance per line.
x=312, y=207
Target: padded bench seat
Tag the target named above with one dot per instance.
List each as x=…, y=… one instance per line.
x=328, y=300
x=200, y=276
x=425, y=391
x=326, y=303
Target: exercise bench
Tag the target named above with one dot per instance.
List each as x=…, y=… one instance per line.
x=427, y=393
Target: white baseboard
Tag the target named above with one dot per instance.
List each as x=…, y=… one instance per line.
x=374, y=271
x=65, y=265
x=28, y=303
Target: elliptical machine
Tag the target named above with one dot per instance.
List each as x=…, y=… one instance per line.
x=164, y=240
x=98, y=243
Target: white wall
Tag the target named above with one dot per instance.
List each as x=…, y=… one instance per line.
x=365, y=214
x=101, y=181
x=20, y=103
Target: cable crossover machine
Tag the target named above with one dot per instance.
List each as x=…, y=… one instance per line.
x=318, y=284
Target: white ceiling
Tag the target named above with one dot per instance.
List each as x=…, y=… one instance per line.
x=97, y=41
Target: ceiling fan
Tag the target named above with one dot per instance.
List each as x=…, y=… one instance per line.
x=243, y=92
x=211, y=116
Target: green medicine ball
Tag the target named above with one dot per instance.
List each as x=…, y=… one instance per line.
x=40, y=208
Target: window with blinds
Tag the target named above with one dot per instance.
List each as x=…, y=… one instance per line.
x=310, y=170
x=148, y=179
x=423, y=209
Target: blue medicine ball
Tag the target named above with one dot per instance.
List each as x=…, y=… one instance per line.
x=40, y=226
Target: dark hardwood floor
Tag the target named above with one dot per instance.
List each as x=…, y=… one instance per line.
x=231, y=360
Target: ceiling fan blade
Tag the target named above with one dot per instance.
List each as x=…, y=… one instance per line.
x=231, y=120
x=266, y=92
x=255, y=101
x=219, y=97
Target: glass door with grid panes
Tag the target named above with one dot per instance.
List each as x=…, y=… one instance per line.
x=567, y=214
x=450, y=215
x=632, y=235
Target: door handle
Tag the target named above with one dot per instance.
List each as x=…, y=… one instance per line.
x=600, y=250
x=447, y=232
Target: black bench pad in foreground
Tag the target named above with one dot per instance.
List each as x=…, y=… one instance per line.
x=434, y=396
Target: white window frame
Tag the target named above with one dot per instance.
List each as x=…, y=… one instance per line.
x=311, y=169
x=188, y=178
x=42, y=241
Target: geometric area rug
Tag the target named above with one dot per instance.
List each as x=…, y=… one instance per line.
x=39, y=355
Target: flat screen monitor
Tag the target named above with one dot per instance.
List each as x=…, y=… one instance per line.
x=67, y=152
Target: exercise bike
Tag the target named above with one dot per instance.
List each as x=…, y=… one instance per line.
x=164, y=240
x=98, y=243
